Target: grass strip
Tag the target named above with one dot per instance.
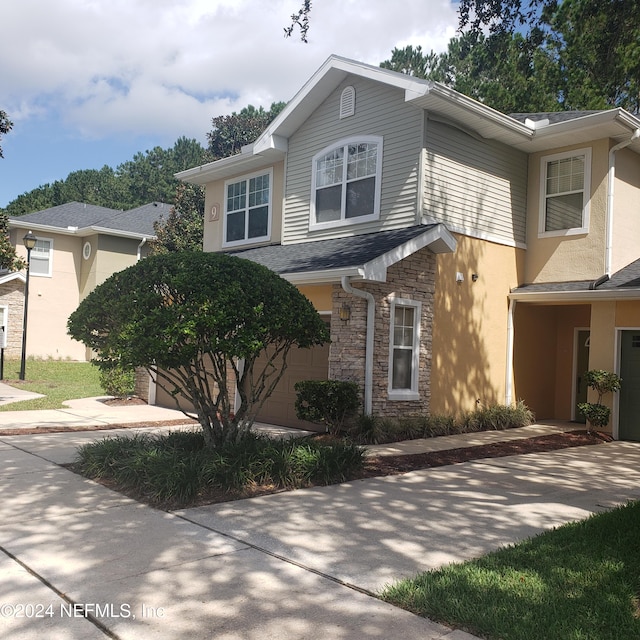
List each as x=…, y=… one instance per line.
x=57, y=380
x=580, y=581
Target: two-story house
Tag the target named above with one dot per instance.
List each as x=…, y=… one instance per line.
x=78, y=247
x=460, y=255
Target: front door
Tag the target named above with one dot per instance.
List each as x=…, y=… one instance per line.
x=582, y=366
x=629, y=407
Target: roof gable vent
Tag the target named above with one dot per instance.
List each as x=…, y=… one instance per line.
x=347, y=102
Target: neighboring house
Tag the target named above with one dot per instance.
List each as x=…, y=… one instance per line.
x=79, y=246
x=460, y=255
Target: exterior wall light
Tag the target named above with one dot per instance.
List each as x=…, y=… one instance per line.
x=344, y=311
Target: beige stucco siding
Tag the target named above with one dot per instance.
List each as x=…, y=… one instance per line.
x=476, y=187
x=544, y=356
x=214, y=209
x=52, y=299
x=626, y=209
x=571, y=257
x=470, y=324
x=380, y=111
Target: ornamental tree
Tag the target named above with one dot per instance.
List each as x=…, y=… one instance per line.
x=199, y=322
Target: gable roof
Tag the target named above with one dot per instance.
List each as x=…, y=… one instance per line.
x=364, y=256
x=77, y=218
x=8, y=276
x=527, y=132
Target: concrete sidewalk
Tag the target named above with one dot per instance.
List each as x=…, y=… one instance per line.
x=85, y=412
x=78, y=560
x=295, y=565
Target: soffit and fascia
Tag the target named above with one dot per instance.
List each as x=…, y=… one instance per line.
x=435, y=98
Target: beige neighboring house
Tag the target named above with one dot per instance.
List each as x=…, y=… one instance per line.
x=78, y=247
x=460, y=255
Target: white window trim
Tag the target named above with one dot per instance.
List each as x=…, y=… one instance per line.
x=343, y=222
x=544, y=162
x=246, y=178
x=50, y=272
x=413, y=393
x=4, y=315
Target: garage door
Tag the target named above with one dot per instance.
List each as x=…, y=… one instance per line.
x=304, y=364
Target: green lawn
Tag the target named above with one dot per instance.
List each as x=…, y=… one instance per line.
x=580, y=581
x=58, y=380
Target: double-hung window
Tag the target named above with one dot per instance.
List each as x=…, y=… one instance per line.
x=404, y=349
x=564, y=193
x=40, y=262
x=346, y=183
x=247, y=212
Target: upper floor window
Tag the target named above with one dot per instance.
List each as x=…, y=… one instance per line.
x=346, y=183
x=404, y=352
x=40, y=263
x=247, y=211
x=564, y=193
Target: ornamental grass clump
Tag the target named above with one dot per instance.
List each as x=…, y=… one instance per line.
x=178, y=469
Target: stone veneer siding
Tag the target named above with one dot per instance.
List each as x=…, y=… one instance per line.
x=12, y=297
x=413, y=279
x=141, y=387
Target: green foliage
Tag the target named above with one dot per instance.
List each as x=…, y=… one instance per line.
x=231, y=133
x=578, y=581
x=375, y=430
x=148, y=177
x=184, y=227
x=602, y=382
x=597, y=414
x=9, y=259
x=5, y=126
x=177, y=468
x=329, y=402
x=190, y=318
x=538, y=56
x=117, y=381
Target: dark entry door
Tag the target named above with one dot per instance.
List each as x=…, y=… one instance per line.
x=629, y=413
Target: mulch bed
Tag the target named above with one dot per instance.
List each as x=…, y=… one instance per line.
x=391, y=465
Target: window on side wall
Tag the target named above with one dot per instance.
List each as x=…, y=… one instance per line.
x=247, y=211
x=404, y=349
x=41, y=260
x=564, y=193
x=345, y=185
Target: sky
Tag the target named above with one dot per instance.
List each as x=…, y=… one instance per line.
x=89, y=83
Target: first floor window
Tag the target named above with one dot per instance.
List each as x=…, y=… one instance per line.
x=248, y=209
x=565, y=192
x=41, y=258
x=404, y=354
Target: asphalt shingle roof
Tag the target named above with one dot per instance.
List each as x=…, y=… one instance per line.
x=338, y=253
x=627, y=278
x=80, y=215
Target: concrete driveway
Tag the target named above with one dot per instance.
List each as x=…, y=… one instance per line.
x=297, y=565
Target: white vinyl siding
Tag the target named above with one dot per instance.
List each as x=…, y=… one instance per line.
x=475, y=187
x=381, y=111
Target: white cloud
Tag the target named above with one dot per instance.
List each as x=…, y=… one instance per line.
x=125, y=66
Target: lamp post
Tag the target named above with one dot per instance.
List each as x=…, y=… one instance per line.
x=29, y=242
